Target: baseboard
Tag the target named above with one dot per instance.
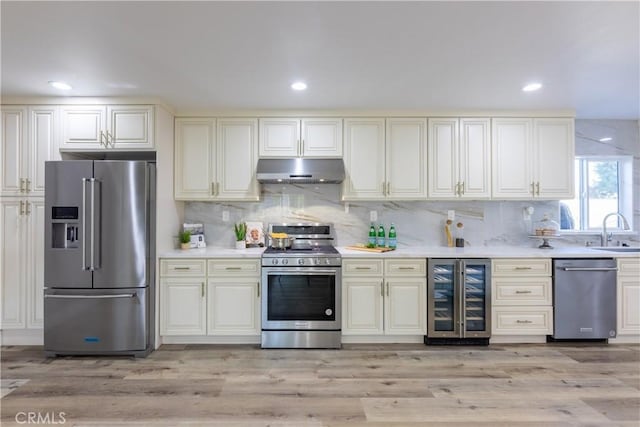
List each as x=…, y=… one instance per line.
x=518, y=339
x=22, y=337
x=382, y=339
x=200, y=339
x=625, y=339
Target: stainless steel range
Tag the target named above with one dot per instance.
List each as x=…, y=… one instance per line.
x=301, y=288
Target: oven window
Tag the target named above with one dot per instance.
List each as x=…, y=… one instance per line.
x=301, y=297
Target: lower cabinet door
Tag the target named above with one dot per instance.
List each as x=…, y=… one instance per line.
x=234, y=306
x=362, y=306
x=183, y=306
x=405, y=308
x=628, y=305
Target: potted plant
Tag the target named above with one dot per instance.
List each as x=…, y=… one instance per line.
x=240, y=231
x=185, y=239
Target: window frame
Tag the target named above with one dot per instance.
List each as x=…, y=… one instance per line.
x=625, y=192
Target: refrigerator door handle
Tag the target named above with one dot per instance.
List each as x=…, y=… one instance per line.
x=84, y=224
x=94, y=248
x=133, y=295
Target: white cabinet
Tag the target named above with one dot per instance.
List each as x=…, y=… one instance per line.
x=459, y=158
x=628, y=295
x=100, y=127
x=28, y=140
x=532, y=158
x=385, y=159
x=216, y=160
x=393, y=303
x=21, y=263
x=183, y=302
x=291, y=137
x=234, y=296
x=521, y=297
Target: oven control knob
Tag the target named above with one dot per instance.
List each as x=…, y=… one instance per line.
x=317, y=261
x=301, y=261
x=327, y=261
x=285, y=261
x=275, y=261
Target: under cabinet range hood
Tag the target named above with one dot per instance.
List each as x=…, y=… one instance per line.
x=300, y=171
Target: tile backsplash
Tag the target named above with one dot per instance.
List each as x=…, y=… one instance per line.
x=486, y=223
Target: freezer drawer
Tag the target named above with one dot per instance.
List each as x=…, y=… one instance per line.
x=95, y=321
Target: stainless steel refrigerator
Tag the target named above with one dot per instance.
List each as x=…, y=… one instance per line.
x=459, y=301
x=99, y=268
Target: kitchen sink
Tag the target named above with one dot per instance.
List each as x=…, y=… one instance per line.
x=618, y=249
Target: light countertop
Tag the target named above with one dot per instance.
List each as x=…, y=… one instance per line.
x=421, y=252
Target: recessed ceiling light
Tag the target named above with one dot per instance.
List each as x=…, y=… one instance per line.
x=299, y=86
x=531, y=87
x=605, y=139
x=60, y=85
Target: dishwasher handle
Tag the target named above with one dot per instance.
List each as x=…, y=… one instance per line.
x=590, y=268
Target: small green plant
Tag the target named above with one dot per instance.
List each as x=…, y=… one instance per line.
x=240, y=230
x=185, y=237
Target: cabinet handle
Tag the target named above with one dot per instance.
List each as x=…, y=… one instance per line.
x=298, y=147
x=21, y=185
x=213, y=188
x=457, y=190
x=363, y=268
x=406, y=268
x=462, y=188
x=258, y=287
x=217, y=189
x=538, y=188
x=101, y=138
x=28, y=206
x=523, y=292
x=21, y=207
x=233, y=268
x=28, y=181
x=387, y=288
x=381, y=288
x=523, y=321
x=533, y=188
x=388, y=188
x=113, y=140
x=384, y=188
x=302, y=148
x=522, y=268
x=202, y=288
x=182, y=268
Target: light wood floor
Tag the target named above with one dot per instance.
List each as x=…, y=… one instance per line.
x=372, y=385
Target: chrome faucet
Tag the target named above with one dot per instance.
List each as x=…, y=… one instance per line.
x=606, y=238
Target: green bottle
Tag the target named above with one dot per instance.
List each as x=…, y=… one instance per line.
x=393, y=240
x=381, y=239
x=372, y=236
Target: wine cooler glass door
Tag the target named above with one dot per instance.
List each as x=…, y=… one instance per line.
x=443, y=299
x=476, y=298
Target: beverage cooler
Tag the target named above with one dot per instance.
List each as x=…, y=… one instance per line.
x=459, y=301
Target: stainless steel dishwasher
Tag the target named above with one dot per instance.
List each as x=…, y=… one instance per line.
x=584, y=298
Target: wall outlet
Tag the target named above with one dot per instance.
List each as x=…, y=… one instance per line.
x=225, y=216
x=451, y=215
x=373, y=216
x=527, y=212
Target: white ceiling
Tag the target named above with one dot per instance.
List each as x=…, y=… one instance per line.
x=353, y=55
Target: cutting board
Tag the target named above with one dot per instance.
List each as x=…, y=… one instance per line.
x=366, y=249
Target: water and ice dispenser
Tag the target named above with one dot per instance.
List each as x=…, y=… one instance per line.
x=65, y=227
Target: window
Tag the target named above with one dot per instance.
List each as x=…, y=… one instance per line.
x=603, y=185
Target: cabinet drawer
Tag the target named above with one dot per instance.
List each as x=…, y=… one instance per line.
x=182, y=267
x=521, y=267
x=362, y=267
x=521, y=291
x=405, y=267
x=628, y=266
x=522, y=321
x=234, y=267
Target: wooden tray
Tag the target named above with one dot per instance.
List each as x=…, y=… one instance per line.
x=366, y=249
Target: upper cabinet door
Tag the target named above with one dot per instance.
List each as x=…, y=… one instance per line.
x=12, y=156
x=554, y=153
x=280, y=137
x=83, y=127
x=42, y=145
x=237, y=158
x=322, y=137
x=406, y=159
x=130, y=126
x=444, y=181
x=194, y=166
x=511, y=161
x=364, y=154
x=475, y=159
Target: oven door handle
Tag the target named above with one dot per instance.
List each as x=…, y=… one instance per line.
x=305, y=271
